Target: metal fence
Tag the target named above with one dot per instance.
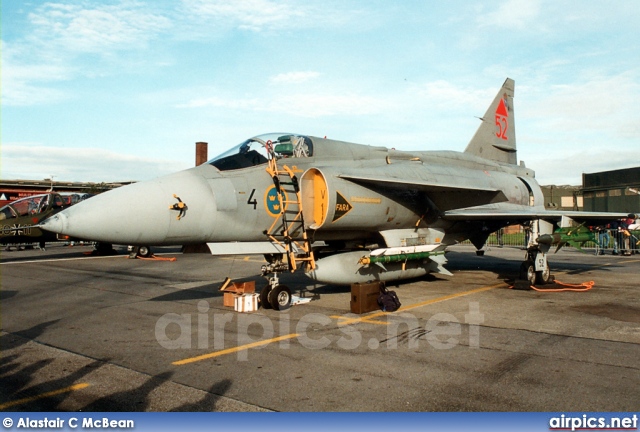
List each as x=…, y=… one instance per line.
x=623, y=242
x=616, y=242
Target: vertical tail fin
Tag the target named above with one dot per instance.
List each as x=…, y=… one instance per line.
x=495, y=139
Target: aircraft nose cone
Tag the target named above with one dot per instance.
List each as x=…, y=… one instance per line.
x=56, y=223
x=141, y=213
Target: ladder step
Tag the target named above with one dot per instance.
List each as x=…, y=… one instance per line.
x=290, y=231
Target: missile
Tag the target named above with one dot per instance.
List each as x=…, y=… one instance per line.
x=575, y=237
x=557, y=238
x=347, y=268
x=383, y=259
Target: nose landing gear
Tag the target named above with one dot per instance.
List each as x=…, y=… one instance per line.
x=274, y=295
x=277, y=297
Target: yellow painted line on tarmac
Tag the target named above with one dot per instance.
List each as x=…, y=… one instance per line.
x=620, y=261
x=373, y=321
x=43, y=395
x=84, y=258
x=343, y=321
x=631, y=260
x=233, y=350
x=346, y=321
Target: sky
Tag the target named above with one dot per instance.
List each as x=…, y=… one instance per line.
x=121, y=90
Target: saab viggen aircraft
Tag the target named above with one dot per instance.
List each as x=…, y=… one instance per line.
x=339, y=211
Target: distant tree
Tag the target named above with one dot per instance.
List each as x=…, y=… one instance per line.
x=98, y=188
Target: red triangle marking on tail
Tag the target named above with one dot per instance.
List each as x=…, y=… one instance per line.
x=502, y=109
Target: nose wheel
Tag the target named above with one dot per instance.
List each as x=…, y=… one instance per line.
x=264, y=297
x=277, y=298
x=280, y=297
x=274, y=295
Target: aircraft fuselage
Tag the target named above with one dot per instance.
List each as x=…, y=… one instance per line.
x=349, y=192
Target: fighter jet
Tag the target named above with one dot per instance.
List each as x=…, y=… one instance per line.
x=340, y=212
x=19, y=220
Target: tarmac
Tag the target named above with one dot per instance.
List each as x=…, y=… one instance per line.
x=85, y=333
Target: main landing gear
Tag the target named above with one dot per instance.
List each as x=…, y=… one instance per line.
x=535, y=268
x=139, y=251
x=274, y=295
x=103, y=249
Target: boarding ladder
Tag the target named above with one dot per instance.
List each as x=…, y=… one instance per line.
x=288, y=229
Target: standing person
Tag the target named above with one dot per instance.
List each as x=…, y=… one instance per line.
x=625, y=237
x=614, y=228
x=603, y=239
x=634, y=229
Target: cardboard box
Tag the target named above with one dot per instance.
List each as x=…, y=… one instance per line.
x=229, y=299
x=246, y=302
x=232, y=290
x=364, y=297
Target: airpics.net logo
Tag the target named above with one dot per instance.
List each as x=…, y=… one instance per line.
x=587, y=422
x=314, y=331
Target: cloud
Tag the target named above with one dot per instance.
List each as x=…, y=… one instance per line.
x=24, y=83
x=512, y=14
x=252, y=104
x=28, y=161
x=565, y=167
x=254, y=15
x=588, y=124
x=595, y=103
x=294, y=77
x=445, y=96
x=75, y=28
x=59, y=36
x=321, y=105
x=439, y=96
x=64, y=41
x=309, y=105
x=210, y=18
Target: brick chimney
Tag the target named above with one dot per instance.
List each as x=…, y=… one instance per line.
x=201, y=153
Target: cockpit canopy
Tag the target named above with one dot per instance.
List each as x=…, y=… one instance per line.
x=37, y=204
x=258, y=150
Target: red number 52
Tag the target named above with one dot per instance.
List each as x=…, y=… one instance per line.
x=503, y=124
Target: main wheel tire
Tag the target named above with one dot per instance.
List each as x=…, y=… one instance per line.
x=543, y=277
x=103, y=248
x=528, y=272
x=264, y=297
x=280, y=298
x=144, y=251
